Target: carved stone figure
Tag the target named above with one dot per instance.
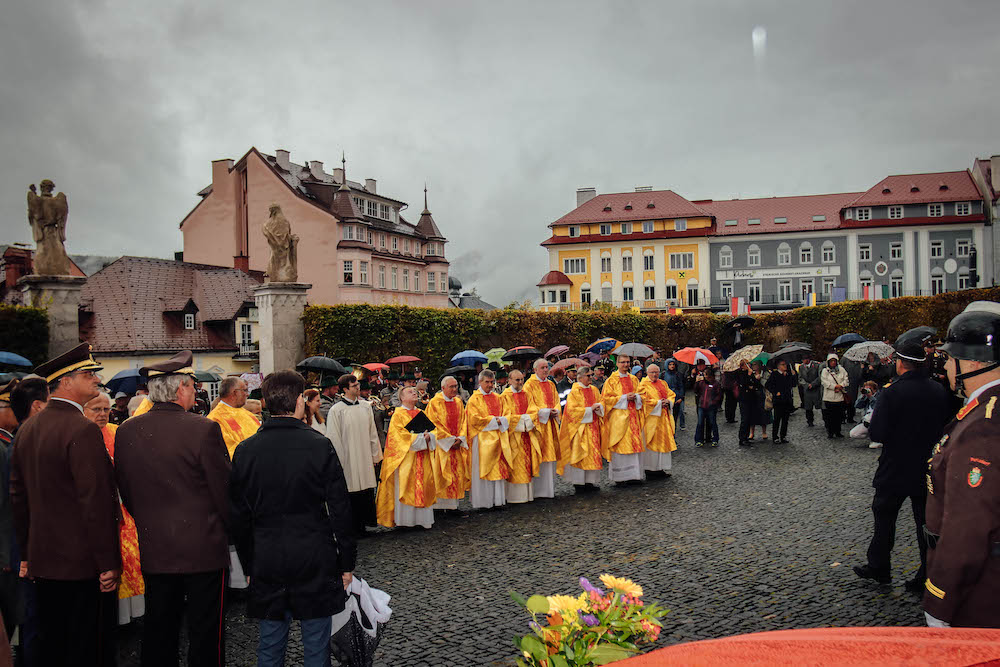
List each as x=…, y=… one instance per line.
x=283, y=265
x=47, y=217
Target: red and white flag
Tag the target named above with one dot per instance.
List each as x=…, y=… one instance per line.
x=738, y=306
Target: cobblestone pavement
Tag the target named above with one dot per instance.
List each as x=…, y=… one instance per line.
x=735, y=541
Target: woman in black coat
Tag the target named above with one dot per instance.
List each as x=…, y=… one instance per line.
x=291, y=523
x=781, y=384
x=751, y=401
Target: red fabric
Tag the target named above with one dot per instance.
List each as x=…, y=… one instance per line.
x=633, y=414
x=835, y=646
x=493, y=403
x=453, y=416
x=590, y=396
x=520, y=402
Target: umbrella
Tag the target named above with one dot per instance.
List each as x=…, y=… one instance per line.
x=792, y=352
x=322, y=364
x=126, y=380
x=455, y=370
x=12, y=359
x=521, y=353
x=469, y=358
x=790, y=343
x=7, y=377
x=691, y=355
x=603, y=345
x=634, y=351
x=762, y=357
x=590, y=357
x=741, y=322
x=402, y=359
x=566, y=364
x=743, y=354
x=846, y=339
x=496, y=354
x=859, y=351
x=375, y=368
x=557, y=350
x=205, y=376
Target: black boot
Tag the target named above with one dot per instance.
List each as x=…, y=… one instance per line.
x=866, y=571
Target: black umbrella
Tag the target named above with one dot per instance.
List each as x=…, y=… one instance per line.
x=792, y=353
x=345, y=362
x=741, y=322
x=521, y=354
x=321, y=365
x=846, y=339
x=205, y=376
x=789, y=343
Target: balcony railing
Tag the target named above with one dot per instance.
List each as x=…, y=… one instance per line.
x=248, y=350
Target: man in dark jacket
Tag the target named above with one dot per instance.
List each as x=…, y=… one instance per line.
x=675, y=380
x=291, y=525
x=909, y=418
x=810, y=389
x=173, y=474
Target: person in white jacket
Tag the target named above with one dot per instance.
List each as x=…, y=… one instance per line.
x=834, y=379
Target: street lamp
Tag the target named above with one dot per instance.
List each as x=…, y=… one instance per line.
x=973, y=267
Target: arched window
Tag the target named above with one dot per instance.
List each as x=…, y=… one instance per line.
x=628, y=291
x=805, y=253
x=937, y=280
x=725, y=257
x=753, y=255
x=605, y=262
x=606, y=290
x=692, y=293
x=784, y=254
x=671, y=291
x=648, y=263
x=649, y=290
x=829, y=252
x=896, y=283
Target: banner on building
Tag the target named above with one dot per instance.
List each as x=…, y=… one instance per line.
x=838, y=294
x=811, y=299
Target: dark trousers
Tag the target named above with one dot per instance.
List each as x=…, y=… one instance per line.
x=708, y=428
x=850, y=409
x=76, y=623
x=678, y=412
x=833, y=416
x=809, y=416
x=168, y=598
x=746, y=409
x=10, y=600
x=362, y=509
x=885, y=507
x=731, y=404
x=29, y=647
x=781, y=414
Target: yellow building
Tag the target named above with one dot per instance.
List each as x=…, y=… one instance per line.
x=646, y=249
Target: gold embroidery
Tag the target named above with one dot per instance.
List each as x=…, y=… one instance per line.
x=935, y=591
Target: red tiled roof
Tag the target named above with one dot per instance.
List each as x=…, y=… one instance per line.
x=653, y=205
x=799, y=211
x=637, y=236
x=129, y=297
x=555, y=278
x=923, y=220
x=919, y=188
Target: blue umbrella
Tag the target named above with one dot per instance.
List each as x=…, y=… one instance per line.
x=468, y=358
x=126, y=380
x=846, y=339
x=12, y=359
x=603, y=344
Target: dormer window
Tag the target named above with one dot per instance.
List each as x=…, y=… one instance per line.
x=886, y=190
x=607, y=208
x=943, y=186
x=862, y=214
x=935, y=210
x=628, y=206
x=650, y=205
x=189, y=321
x=914, y=188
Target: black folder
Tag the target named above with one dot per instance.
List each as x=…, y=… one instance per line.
x=420, y=423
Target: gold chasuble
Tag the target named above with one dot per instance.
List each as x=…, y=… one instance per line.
x=525, y=446
x=622, y=427
x=581, y=443
x=131, y=583
x=494, y=446
x=417, y=484
x=545, y=395
x=659, y=428
x=237, y=424
x=144, y=407
x=453, y=466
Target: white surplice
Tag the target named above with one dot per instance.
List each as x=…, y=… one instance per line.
x=351, y=429
x=485, y=493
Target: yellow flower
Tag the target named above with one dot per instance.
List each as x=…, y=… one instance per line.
x=626, y=586
x=564, y=604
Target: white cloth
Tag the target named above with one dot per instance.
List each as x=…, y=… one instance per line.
x=484, y=493
x=519, y=493
x=656, y=461
x=524, y=424
x=237, y=577
x=363, y=598
x=625, y=467
x=544, y=486
x=588, y=415
x=129, y=608
x=445, y=504
x=451, y=441
x=934, y=622
x=351, y=429
x=575, y=475
x=544, y=414
x=657, y=409
x=408, y=515
x=493, y=425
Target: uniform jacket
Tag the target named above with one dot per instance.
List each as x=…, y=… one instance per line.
x=291, y=521
x=909, y=417
x=963, y=508
x=812, y=390
x=173, y=474
x=62, y=492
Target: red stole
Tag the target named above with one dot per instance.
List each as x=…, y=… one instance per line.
x=633, y=413
x=418, y=466
x=590, y=398
x=521, y=403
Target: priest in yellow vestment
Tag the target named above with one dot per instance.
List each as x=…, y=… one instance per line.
x=623, y=440
x=451, y=456
x=525, y=445
x=486, y=429
x=237, y=423
x=545, y=396
x=408, y=487
x=581, y=433
x=657, y=407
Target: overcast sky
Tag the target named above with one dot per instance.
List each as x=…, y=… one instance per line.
x=504, y=108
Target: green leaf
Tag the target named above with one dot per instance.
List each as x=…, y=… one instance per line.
x=518, y=598
x=537, y=604
x=534, y=646
x=606, y=653
x=558, y=661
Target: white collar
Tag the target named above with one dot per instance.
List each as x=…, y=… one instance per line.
x=226, y=404
x=450, y=400
x=66, y=400
x=517, y=391
x=9, y=434
x=484, y=393
x=538, y=379
x=979, y=391
x=623, y=375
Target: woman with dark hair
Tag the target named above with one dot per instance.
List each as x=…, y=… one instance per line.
x=314, y=416
x=781, y=384
x=751, y=401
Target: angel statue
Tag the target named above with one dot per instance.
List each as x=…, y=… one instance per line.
x=47, y=217
x=283, y=266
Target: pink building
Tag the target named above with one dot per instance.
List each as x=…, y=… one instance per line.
x=354, y=246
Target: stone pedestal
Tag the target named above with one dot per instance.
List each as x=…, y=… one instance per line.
x=60, y=296
x=279, y=312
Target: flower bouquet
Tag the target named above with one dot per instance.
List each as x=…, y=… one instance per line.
x=593, y=628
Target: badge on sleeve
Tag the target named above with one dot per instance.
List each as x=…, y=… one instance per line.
x=969, y=407
x=975, y=477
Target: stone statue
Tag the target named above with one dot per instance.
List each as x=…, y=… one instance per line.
x=283, y=266
x=47, y=217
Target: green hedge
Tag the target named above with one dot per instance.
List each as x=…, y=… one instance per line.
x=24, y=331
x=374, y=333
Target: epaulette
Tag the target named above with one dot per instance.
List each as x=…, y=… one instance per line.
x=990, y=406
x=964, y=412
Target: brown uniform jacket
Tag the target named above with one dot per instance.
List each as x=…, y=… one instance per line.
x=62, y=492
x=173, y=474
x=963, y=509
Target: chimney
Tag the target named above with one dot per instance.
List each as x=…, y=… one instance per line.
x=995, y=172
x=644, y=188
x=241, y=262
x=281, y=156
x=370, y=185
x=316, y=169
x=584, y=195
x=223, y=181
x=338, y=175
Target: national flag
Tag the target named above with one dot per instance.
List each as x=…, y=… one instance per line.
x=738, y=306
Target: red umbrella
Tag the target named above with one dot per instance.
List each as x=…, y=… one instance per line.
x=375, y=368
x=566, y=364
x=557, y=350
x=690, y=355
x=402, y=359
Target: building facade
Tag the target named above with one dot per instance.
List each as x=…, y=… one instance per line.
x=354, y=244
x=907, y=235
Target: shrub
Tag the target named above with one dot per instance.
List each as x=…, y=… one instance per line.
x=25, y=331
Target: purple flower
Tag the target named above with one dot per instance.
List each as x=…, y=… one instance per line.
x=590, y=588
x=588, y=619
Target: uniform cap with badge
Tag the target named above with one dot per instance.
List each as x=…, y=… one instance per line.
x=179, y=364
x=72, y=361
